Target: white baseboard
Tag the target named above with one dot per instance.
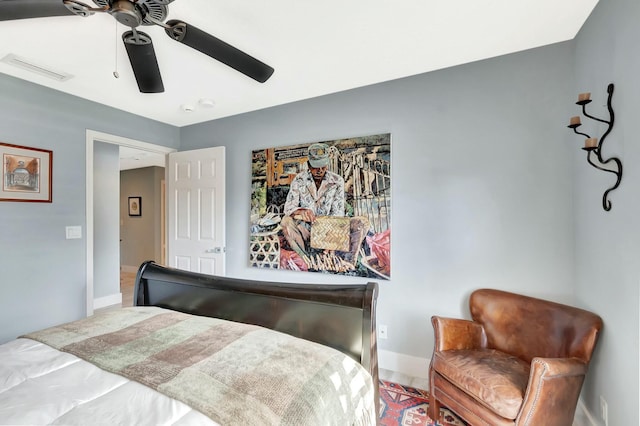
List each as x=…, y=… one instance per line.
x=127, y=268
x=405, y=364
x=584, y=417
x=102, y=302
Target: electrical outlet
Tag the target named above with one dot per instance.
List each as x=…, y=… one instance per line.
x=382, y=331
x=604, y=410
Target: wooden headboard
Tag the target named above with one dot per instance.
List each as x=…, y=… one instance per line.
x=340, y=316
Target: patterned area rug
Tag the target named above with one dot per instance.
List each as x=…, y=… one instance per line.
x=406, y=406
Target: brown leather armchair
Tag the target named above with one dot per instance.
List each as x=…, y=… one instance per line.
x=520, y=361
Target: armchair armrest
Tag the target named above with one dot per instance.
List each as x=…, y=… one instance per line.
x=454, y=333
x=553, y=391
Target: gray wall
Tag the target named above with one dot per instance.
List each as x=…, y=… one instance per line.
x=607, y=246
x=481, y=183
x=106, y=196
x=140, y=235
x=44, y=275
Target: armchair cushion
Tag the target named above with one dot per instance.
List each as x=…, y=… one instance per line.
x=497, y=379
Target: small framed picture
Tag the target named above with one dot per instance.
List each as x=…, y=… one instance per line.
x=26, y=173
x=135, y=206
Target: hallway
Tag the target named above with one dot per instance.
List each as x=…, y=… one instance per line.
x=127, y=281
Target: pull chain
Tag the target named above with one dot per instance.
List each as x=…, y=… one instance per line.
x=115, y=72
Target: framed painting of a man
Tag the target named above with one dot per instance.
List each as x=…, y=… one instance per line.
x=323, y=207
x=26, y=174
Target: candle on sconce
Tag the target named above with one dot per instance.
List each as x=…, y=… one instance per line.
x=591, y=143
x=574, y=121
x=584, y=96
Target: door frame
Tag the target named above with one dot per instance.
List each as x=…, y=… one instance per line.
x=93, y=136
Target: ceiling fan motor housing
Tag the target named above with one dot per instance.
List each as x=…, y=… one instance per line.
x=135, y=13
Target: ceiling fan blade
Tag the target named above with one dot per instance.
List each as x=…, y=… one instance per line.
x=143, y=61
x=24, y=9
x=219, y=50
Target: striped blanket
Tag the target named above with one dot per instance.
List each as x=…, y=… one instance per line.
x=234, y=373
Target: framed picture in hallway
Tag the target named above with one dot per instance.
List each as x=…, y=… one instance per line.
x=26, y=174
x=135, y=206
x=323, y=207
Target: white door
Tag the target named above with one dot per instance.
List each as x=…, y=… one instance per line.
x=196, y=198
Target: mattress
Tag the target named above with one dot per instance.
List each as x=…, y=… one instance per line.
x=40, y=385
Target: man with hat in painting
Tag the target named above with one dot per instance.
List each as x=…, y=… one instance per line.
x=318, y=192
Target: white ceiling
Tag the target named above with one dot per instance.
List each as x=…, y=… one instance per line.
x=132, y=158
x=316, y=48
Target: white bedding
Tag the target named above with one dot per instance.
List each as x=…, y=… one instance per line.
x=40, y=385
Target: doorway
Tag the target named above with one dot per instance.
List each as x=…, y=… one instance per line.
x=91, y=138
x=141, y=212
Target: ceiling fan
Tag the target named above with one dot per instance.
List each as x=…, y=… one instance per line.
x=134, y=13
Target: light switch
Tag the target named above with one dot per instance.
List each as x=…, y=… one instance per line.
x=74, y=232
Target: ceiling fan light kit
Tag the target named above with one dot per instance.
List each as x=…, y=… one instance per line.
x=139, y=46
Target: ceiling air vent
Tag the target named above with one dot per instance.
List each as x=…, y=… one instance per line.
x=28, y=65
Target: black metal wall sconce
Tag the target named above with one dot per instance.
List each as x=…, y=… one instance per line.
x=594, y=147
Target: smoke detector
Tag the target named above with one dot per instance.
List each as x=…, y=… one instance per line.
x=207, y=103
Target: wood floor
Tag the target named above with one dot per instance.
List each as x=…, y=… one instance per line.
x=126, y=287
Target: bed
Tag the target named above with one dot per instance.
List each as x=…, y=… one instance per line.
x=202, y=349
